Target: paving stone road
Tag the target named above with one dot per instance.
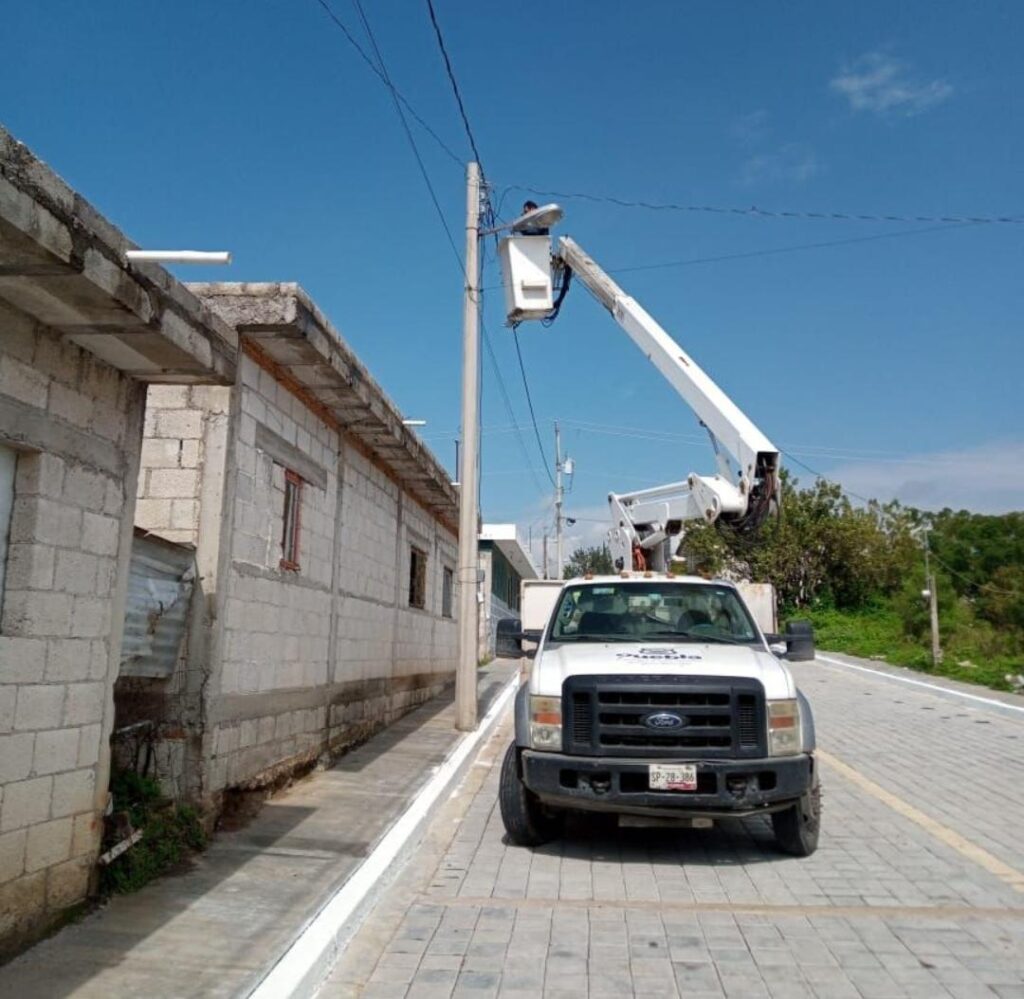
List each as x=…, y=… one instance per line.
x=916, y=889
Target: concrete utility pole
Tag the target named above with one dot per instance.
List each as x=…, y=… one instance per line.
x=469, y=515
x=933, y=605
x=559, y=496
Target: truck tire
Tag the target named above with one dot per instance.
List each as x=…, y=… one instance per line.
x=526, y=822
x=797, y=828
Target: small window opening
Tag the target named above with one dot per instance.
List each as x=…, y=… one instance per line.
x=292, y=526
x=447, y=591
x=8, y=464
x=418, y=578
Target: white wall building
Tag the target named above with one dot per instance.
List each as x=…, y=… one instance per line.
x=326, y=545
x=81, y=333
x=504, y=563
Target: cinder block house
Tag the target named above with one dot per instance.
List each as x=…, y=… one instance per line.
x=218, y=540
x=504, y=563
x=81, y=334
x=326, y=547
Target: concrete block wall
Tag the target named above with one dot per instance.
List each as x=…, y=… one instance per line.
x=76, y=423
x=182, y=460
x=310, y=661
x=172, y=458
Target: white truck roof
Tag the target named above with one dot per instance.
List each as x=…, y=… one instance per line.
x=647, y=577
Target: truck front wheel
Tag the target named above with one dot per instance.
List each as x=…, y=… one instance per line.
x=796, y=829
x=526, y=821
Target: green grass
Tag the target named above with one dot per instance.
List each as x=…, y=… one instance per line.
x=878, y=633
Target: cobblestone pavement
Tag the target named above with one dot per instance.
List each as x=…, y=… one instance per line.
x=916, y=889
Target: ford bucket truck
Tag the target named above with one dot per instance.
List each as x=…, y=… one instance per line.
x=652, y=696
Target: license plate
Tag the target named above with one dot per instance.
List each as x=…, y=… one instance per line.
x=672, y=776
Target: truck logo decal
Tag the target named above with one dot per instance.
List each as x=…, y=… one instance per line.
x=660, y=654
x=665, y=720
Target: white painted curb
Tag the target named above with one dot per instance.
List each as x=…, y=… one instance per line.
x=303, y=967
x=995, y=702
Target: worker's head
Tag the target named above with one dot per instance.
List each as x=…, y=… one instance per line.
x=529, y=206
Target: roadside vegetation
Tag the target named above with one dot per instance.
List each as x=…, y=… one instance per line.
x=857, y=572
x=170, y=833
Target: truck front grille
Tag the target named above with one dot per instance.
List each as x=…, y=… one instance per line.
x=715, y=717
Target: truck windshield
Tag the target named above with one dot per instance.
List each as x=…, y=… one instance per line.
x=652, y=612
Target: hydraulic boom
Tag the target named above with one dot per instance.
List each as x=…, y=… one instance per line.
x=648, y=523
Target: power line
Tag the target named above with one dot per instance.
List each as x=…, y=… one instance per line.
x=454, y=83
x=824, y=478
x=529, y=402
x=753, y=210
x=508, y=408
x=369, y=62
x=824, y=244
x=971, y=582
x=408, y=133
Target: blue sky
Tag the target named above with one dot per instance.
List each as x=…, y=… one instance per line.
x=894, y=364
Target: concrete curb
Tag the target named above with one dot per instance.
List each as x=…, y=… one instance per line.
x=302, y=968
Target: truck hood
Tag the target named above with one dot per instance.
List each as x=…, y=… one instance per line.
x=554, y=665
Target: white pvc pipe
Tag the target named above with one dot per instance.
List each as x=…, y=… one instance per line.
x=178, y=257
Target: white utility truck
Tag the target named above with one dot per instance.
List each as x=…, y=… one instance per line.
x=654, y=696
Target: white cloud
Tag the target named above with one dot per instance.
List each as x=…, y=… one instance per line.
x=791, y=163
x=985, y=479
x=880, y=83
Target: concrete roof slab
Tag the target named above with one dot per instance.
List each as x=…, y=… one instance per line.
x=281, y=323
x=64, y=265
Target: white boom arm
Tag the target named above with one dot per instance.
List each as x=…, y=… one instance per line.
x=650, y=519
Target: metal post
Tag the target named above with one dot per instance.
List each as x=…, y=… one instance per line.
x=558, y=500
x=469, y=633
x=544, y=574
x=933, y=606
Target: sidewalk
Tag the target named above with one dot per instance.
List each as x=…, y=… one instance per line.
x=218, y=928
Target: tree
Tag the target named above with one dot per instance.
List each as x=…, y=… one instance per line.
x=596, y=559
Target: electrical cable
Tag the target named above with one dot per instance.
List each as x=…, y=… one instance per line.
x=753, y=210
x=369, y=62
x=824, y=478
x=775, y=251
x=529, y=402
x=503, y=392
x=971, y=582
x=454, y=83
x=408, y=133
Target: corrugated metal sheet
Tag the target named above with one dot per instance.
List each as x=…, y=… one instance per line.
x=160, y=583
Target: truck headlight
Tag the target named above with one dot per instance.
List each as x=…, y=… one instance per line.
x=546, y=723
x=785, y=737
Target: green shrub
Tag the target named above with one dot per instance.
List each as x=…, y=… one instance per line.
x=169, y=833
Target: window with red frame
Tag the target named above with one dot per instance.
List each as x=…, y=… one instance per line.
x=292, y=527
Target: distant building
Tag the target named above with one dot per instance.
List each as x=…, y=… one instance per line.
x=504, y=563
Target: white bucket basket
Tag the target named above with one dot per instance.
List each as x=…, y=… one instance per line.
x=526, y=269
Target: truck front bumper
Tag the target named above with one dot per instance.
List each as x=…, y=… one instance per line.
x=725, y=788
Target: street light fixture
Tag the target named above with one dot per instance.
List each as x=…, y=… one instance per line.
x=536, y=218
x=177, y=256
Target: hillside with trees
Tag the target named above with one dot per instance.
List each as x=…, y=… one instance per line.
x=858, y=573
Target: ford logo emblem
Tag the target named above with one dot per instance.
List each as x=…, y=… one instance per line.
x=664, y=720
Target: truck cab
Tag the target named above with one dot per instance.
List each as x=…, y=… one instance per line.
x=657, y=698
